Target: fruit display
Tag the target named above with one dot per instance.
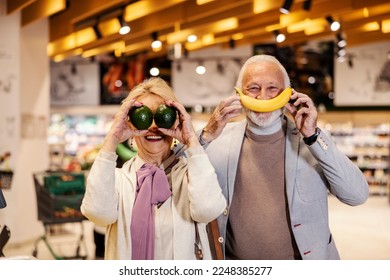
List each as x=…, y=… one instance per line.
x=268, y=105
x=165, y=116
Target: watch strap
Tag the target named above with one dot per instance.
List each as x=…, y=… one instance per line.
x=313, y=138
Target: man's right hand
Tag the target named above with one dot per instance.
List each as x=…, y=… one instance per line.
x=223, y=113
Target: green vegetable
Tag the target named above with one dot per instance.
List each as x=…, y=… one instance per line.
x=141, y=117
x=165, y=116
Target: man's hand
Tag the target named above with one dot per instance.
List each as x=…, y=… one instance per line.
x=225, y=111
x=304, y=112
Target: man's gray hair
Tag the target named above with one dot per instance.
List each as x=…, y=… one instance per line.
x=260, y=58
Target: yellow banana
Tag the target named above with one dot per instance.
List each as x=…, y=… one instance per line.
x=268, y=105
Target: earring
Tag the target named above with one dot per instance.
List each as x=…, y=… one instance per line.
x=131, y=144
x=175, y=143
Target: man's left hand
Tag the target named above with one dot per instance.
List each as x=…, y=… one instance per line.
x=304, y=112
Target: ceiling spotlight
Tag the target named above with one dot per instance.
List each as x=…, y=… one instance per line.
x=125, y=28
x=200, y=69
x=154, y=71
x=156, y=43
x=306, y=5
x=341, y=42
x=334, y=24
x=192, y=38
x=285, y=9
x=279, y=37
x=341, y=52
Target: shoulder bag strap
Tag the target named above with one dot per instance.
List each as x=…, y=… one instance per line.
x=213, y=236
x=197, y=244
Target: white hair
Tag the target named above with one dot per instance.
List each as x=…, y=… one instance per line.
x=259, y=59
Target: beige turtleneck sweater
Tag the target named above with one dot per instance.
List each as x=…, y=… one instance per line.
x=258, y=221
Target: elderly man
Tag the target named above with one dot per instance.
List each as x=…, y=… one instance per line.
x=276, y=171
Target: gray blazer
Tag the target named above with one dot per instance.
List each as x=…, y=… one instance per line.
x=311, y=173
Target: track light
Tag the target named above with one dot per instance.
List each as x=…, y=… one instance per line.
x=192, y=38
x=156, y=43
x=97, y=31
x=285, y=9
x=154, y=71
x=334, y=25
x=279, y=37
x=341, y=52
x=341, y=42
x=232, y=43
x=200, y=69
x=125, y=28
x=306, y=5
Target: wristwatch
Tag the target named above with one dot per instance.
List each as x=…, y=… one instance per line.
x=313, y=138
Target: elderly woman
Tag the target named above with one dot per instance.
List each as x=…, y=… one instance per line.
x=157, y=204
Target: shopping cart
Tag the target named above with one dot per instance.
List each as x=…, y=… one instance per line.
x=59, y=195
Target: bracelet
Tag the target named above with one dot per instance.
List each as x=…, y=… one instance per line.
x=200, y=138
x=313, y=138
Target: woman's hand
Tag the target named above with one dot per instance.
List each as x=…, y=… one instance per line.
x=304, y=112
x=120, y=129
x=184, y=130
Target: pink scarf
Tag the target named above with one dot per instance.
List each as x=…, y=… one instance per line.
x=152, y=188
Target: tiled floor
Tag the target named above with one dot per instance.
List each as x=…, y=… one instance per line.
x=361, y=233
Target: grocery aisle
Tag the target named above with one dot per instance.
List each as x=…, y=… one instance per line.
x=361, y=233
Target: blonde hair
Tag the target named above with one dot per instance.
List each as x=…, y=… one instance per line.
x=154, y=85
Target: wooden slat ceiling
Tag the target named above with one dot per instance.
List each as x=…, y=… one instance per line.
x=213, y=22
